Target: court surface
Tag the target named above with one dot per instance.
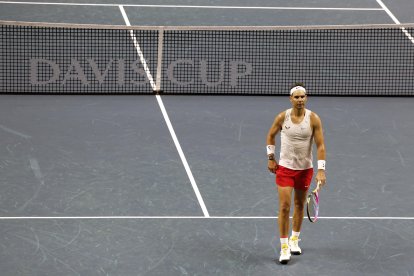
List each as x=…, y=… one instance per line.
x=114, y=185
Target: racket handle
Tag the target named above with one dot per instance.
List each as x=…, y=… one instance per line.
x=317, y=186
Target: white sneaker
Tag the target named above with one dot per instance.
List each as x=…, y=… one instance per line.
x=294, y=246
x=284, y=254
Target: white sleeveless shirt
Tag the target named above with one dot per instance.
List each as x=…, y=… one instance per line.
x=296, y=143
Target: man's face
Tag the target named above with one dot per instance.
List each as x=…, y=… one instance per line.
x=298, y=99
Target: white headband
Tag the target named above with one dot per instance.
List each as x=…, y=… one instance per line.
x=297, y=88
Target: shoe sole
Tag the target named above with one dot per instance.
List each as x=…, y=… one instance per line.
x=284, y=261
x=295, y=252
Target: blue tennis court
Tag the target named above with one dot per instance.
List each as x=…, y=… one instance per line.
x=178, y=184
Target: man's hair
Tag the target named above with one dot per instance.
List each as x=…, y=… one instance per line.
x=297, y=84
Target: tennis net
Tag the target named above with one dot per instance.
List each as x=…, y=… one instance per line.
x=365, y=60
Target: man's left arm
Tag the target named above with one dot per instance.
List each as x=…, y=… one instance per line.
x=320, y=146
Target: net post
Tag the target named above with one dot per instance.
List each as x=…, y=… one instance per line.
x=159, y=60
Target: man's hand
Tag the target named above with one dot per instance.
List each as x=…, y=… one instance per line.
x=272, y=166
x=320, y=177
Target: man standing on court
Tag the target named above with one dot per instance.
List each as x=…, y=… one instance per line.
x=298, y=127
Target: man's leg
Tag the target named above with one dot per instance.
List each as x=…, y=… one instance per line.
x=298, y=211
x=285, y=195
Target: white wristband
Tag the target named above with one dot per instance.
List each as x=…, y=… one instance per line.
x=270, y=149
x=321, y=164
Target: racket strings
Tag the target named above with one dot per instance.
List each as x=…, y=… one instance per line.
x=313, y=207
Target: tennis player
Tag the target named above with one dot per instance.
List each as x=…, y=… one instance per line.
x=299, y=127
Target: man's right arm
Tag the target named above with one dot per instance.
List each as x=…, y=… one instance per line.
x=275, y=128
x=270, y=140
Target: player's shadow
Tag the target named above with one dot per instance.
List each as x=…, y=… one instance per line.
x=244, y=256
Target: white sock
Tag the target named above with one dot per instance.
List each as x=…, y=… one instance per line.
x=295, y=234
x=284, y=241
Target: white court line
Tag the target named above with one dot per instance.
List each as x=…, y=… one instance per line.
x=190, y=6
x=182, y=156
x=193, y=217
x=167, y=119
x=396, y=21
x=136, y=44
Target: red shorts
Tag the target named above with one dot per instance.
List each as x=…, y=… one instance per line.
x=298, y=179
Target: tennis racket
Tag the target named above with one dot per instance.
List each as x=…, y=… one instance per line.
x=312, y=204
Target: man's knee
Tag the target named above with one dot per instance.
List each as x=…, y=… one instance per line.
x=299, y=205
x=284, y=207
